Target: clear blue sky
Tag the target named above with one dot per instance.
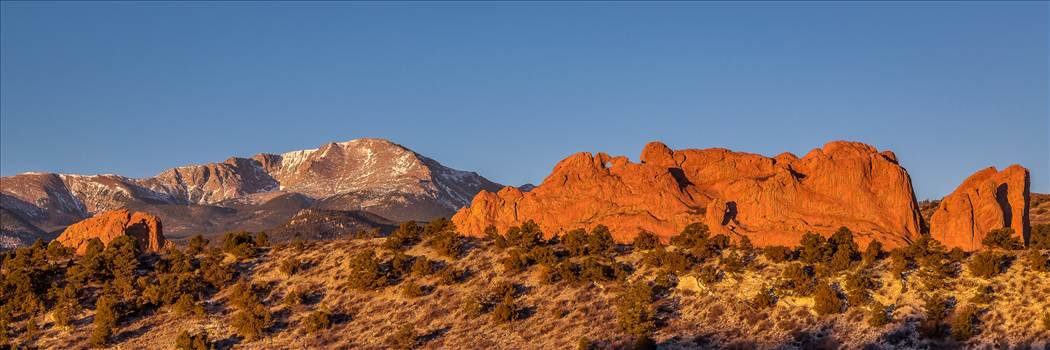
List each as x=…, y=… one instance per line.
x=509, y=89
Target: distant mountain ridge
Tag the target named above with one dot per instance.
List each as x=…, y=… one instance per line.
x=369, y=174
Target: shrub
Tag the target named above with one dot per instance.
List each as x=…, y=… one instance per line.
x=317, y=321
x=515, y=261
x=525, y=237
x=185, y=305
x=984, y=295
x=956, y=254
x=1002, y=238
x=262, y=239
x=778, y=254
x=674, y=261
x=584, y=344
x=293, y=297
x=239, y=244
x=1036, y=261
x=289, y=266
x=644, y=241
x=1046, y=321
x=926, y=251
x=450, y=275
x=176, y=262
x=711, y=247
x=985, y=264
x=798, y=279
x=196, y=245
x=214, y=272
x=872, y=253
x=492, y=234
x=299, y=244
x=57, y=251
x=474, y=306
x=407, y=234
x=1040, y=237
x=405, y=338
x=105, y=320
x=122, y=258
x=964, y=326
x=826, y=300
x=878, y=315
x=505, y=311
x=744, y=244
x=421, y=266
x=765, y=299
x=732, y=263
x=693, y=235
x=503, y=289
x=412, y=290
x=366, y=272
x=542, y=255
x=635, y=312
x=936, y=310
x=575, y=242
x=709, y=274
x=858, y=286
x=251, y=320
x=400, y=264
x=447, y=243
x=900, y=262
x=813, y=249
x=197, y=341
x=600, y=241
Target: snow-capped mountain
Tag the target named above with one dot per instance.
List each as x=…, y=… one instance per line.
x=373, y=175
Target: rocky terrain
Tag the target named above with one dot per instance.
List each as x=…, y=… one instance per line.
x=772, y=201
x=253, y=193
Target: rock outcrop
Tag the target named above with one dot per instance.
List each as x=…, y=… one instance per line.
x=107, y=226
x=772, y=201
x=987, y=200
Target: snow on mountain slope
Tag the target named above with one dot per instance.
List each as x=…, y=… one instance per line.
x=362, y=174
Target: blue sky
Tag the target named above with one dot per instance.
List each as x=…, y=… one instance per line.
x=509, y=89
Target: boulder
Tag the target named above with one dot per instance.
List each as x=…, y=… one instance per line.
x=109, y=225
x=773, y=201
x=987, y=200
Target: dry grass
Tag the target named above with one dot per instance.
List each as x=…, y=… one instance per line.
x=556, y=317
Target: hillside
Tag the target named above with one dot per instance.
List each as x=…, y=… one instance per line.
x=1040, y=209
x=255, y=193
x=519, y=292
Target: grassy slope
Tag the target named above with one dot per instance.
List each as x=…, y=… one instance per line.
x=558, y=316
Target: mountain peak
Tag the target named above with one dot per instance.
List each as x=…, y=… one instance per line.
x=371, y=174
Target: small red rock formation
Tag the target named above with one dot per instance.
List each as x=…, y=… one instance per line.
x=109, y=225
x=987, y=200
x=773, y=201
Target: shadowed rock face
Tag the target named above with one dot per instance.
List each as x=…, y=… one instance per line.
x=107, y=226
x=773, y=201
x=987, y=200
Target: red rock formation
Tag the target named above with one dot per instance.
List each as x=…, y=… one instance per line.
x=109, y=225
x=770, y=200
x=987, y=200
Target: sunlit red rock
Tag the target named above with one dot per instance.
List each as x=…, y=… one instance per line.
x=770, y=200
x=987, y=200
x=107, y=226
